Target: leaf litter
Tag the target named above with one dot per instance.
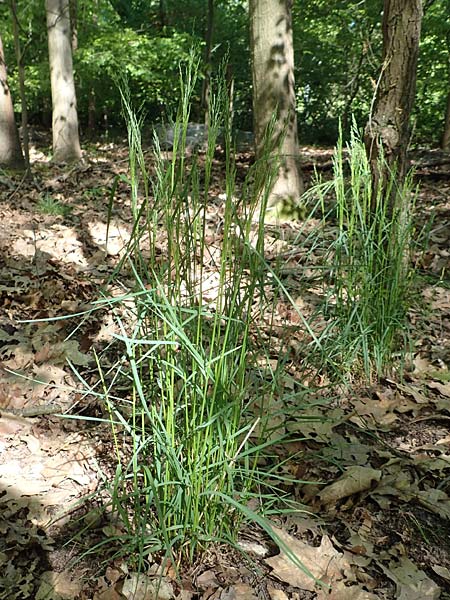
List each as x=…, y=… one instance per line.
x=378, y=520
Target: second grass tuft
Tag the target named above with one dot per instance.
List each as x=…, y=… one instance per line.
x=369, y=285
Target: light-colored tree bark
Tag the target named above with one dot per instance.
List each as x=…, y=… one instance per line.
x=10, y=149
x=274, y=105
x=388, y=129
x=66, y=144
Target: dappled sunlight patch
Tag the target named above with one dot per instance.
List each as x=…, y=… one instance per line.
x=111, y=238
x=60, y=243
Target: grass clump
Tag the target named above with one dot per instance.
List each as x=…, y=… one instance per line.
x=369, y=288
x=186, y=444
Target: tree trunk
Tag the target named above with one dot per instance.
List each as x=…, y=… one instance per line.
x=23, y=99
x=66, y=144
x=445, y=143
x=10, y=150
x=388, y=130
x=207, y=59
x=92, y=117
x=163, y=21
x=274, y=105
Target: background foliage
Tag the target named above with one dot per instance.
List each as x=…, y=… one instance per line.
x=337, y=52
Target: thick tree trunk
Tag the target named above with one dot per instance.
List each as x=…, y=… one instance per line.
x=274, y=95
x=445, y=142
x=10, y=150
x=388, y=130
x=66, y=144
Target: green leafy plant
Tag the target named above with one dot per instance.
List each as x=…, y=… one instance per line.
x=369, y=287
x=150, y=64
x=94, y=193
x=51, y=206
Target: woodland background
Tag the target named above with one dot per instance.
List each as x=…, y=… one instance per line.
x=337, y=48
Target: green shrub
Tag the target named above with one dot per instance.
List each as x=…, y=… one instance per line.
x=151, y=66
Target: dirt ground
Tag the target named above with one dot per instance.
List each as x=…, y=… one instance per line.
x=379, y=528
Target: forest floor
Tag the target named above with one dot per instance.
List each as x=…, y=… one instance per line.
x=380, y=528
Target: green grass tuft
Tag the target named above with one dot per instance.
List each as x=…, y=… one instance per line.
x=50, y=206
x=369, y=287
x=187, y=444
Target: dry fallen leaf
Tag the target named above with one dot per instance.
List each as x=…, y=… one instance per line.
x=240, y=591
x=109, y=594
x=58, y=586
x=442, y=388
x=413, y=391
x=138, y=585
x=436, y=501
x=324, y=562
x=34, y=445
x=318, y=425
x=253, y=547
x=411, y=582
x=208, y=579
x=341, y=591
x=442, y=572
x=10, y=425
x=368, y=413
x=355, y=479
x=276, y=594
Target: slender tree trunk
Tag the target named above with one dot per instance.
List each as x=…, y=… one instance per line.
x=10, y=149
x=163, y=13
x=207, y=58
x=92, y=104
x=445, y=142
x=388, y=130
x=274, y=95
x=92, y=115
x=66, y=144
x=23, y=98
